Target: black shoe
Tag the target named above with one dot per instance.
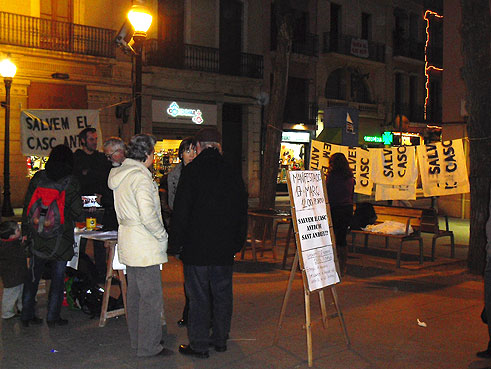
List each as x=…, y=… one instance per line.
x=59, y=321
x=486, y=354
x=221, y=348
x=187, y=350
x=35, y=320
x=182, y=323
x=165, y=352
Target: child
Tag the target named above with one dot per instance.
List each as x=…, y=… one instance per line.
x=13, y=268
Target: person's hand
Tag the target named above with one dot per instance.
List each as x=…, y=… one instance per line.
x=98, y=198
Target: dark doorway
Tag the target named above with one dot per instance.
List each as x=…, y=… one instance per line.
x=230, y=36
x=232, y=135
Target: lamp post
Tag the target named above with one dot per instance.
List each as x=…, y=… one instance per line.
x=7, y=70
x=141, y=20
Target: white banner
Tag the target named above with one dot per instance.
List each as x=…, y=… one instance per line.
x=442, y=167
x=41, y=130
x=394, y=166
x=402, y=192
x=358, y=159
x=313, y=228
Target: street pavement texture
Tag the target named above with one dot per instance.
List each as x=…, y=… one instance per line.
x=380, y=303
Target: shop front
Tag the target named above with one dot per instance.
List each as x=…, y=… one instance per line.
x=294, y=154
x=174, y=120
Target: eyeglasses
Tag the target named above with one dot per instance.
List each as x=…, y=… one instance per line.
x=109, y=156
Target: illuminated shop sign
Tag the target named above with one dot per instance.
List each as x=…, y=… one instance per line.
x=295, y=136
x=372, y=138
x=175, y=111
x=171, y=111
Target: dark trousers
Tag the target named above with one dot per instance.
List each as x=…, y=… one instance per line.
x=99, y=257
x=208, y=287
x=487, y=296
x=55, y=299
x=341, y=219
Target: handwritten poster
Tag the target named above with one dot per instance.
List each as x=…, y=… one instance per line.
x=312, y=223
x=41, y=130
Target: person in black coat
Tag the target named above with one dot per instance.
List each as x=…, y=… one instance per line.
x=340, y=189
x=208, y=226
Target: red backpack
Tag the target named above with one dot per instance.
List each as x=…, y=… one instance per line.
x=46, y=210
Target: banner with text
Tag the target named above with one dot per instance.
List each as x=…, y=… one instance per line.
x=312, y=221
x=358, y=159
x=443, y=169
x=394, y=166
x=41, y=130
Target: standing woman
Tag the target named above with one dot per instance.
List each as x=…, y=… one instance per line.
x=142, y=244
x=55, y=251
x=340, y=188
x=186, y=153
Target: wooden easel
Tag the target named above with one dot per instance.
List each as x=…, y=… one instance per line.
x=298, y=261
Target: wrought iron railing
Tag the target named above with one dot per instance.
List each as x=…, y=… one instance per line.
x=307, y=44
x=354, y=46
x=25, y=31
x=207, y=59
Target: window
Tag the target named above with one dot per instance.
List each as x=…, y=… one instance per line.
x=336, y=85
x=366, y=26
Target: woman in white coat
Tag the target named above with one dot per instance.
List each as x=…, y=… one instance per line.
x=142, y=244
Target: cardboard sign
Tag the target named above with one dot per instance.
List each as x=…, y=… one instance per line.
x=442, y=167
x=312, y=226
x=41, y=130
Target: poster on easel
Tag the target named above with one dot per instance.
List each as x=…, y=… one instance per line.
x=312, y=224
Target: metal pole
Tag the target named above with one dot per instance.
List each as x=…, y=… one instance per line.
x=138, y=90
x=7, y=210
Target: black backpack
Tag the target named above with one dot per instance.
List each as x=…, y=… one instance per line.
x=46, y=210
x=84, y=291
x=363, y=216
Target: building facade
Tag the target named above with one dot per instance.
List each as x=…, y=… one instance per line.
x=214, y=58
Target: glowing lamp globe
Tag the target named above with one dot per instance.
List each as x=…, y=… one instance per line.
x=7, y=68
x=140, y=19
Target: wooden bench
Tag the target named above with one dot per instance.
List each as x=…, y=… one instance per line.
x=408, y=216
x=429, y=224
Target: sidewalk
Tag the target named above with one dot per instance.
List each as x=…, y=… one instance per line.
x=381, y=305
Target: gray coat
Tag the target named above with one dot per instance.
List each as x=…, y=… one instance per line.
x=172, y=182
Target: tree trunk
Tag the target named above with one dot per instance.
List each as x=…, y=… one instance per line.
x=274, y=111
x=476, y=37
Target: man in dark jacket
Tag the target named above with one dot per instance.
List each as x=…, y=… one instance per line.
x=209, y=226
x=91, y=168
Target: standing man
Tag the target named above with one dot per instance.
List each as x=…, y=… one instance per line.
x=208, y=227
x=486, y=354
x=91, y=168
x=114, y=149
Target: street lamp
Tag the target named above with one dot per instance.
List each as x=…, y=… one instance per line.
x=141, y=20
x=7, y=70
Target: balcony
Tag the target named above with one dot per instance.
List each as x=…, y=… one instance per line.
x=307, y=44
x=200, y=58
x=24, y=31
x=353, y=46
x=365, y=110
x=408, y=48
x=415, y=113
